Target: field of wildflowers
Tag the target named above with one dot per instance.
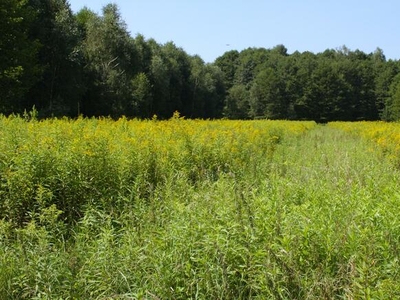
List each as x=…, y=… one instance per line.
x=195, y=209
x=385, y=135
x=75, y=163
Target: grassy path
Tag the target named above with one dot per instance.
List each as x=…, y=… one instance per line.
x=337, y=200
x=331, y=160
x=321, y=223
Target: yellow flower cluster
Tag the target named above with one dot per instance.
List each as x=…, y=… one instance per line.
x=150, y=148
x=75, y=163
x=385, y=135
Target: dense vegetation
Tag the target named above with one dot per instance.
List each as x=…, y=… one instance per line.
x=189, y=209
x=88, y=64
x=333, y=85
x=123, y=208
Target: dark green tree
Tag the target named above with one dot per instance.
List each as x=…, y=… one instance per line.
x=304, y=64
x=393, y=101
x=267, y=96
x=197, y=81
x=215, y=92
x=250, y=62
x=160, y=79
x=228, y=64
x=384, y=72
x=324, y=95
x=144, y=53
x=179, y=71
x=208, y=90
x=60, y=88
x=19, y=67
x=358, y=72
x=142, y=98
x=237, y=104
x=110, y=62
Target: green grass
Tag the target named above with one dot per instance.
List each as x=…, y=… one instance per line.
x=317, y=219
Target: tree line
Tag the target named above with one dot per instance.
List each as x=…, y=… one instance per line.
x=336, y=84
x=69, y=64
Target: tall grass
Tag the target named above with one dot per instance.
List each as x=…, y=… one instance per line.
x=85, y=163
x=386, y=136
x=189, y=209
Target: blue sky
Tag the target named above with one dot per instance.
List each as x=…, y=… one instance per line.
x=211, y=27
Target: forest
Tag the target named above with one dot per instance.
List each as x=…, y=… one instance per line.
x=85, y=64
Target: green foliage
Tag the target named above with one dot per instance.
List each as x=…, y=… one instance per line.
x=393, y=100
x=206, y=85
x=334, y=85
x=267, y=96
x=110, y=55
x=142, y=97
x=88, y=64
x=237, y=103
x=18, y=66
x=60, y=58
x=228, y=65
x=184, y=209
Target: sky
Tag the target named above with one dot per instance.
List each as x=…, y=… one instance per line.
x=209, y=28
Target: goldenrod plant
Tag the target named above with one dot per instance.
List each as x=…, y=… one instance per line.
x=196, y=209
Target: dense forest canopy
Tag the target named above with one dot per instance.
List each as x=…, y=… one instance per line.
x=67, y=64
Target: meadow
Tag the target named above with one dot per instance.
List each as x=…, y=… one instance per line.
x=194, y=209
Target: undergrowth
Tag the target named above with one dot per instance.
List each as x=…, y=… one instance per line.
x=181, y=209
